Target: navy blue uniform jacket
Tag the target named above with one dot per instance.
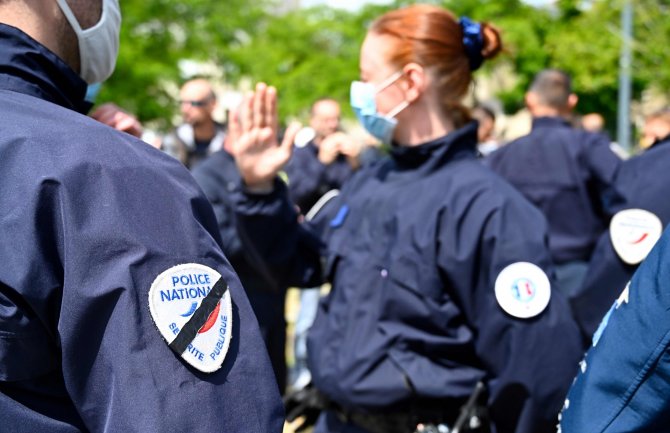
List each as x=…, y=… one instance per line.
x=309, y=178
x=89, y=218
x=413, y=246
x=567, y=173
x=643, y=183
x=623, y=382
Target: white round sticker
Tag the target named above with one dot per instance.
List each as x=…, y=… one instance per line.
x=523, y=290
x=191, y=307
x=634, y=232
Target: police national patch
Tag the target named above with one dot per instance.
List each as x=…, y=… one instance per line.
x=192, y=309
x=523, y=290
x=634, y=233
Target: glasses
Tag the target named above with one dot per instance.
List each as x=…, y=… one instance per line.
x=197, y=104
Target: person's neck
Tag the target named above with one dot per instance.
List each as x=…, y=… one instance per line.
x=422, y=126
x=40, y=24
x=204, y=131
x=545, y=111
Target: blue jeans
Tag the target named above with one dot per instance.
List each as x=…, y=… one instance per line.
x=309, y=303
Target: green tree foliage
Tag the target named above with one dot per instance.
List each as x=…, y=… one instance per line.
x=157, y=34
x=306, y=54
x=310, y=53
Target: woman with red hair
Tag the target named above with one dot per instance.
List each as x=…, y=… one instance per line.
x=440, y=272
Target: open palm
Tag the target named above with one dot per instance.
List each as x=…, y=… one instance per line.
x=254, y=144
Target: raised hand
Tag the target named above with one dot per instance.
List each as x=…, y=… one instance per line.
x=112, y=115
x=253, y=134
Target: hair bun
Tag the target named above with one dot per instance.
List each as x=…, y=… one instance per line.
x=492, y=41
x=473, y=41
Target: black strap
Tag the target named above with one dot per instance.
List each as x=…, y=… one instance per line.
x=191, y=328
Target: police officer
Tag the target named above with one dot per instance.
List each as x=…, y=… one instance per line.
x=566, y=172
x=439, y=269
x=623, y=381
x=643, y=211
x=326, y=161
x=217, y=176
x=118, y=310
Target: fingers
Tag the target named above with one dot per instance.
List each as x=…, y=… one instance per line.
x=259, y=110
x=271, y=117
x=105, y=113
x=234, y=124
x=127, y=123
x=246, y=113
x=289, y=136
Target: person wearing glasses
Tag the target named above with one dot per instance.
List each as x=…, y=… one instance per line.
x=440, y=270
x=200, y=135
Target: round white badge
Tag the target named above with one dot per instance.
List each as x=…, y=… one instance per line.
x=523, y=290
x=634, y=232
x=191, y=307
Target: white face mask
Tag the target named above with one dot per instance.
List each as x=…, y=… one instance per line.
x=98, y=45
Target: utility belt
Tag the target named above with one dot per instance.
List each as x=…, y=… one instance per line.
x=390, y=422
x=433, y=416
x=418, y=416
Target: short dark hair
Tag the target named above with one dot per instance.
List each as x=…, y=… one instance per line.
x=485, y=110
x=553, y=87
x=662, y=114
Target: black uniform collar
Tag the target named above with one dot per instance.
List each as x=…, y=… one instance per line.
x=549, y=122
x=456, y=142
x=28, y=67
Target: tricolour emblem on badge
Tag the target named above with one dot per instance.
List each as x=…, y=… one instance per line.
x=192, y=309
x=523, y=290
x=634, y=233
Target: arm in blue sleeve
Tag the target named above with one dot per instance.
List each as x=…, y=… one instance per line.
x=529, y=362
x=271, y=224
x=603, y=165
x=622, y=385
x=305, y=176
x=118, y=370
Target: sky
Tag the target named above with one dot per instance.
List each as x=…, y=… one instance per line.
x=342, y=4
x=355, y=4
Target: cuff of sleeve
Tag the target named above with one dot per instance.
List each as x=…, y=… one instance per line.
x=255, y=203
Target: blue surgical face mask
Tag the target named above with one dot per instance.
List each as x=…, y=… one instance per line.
x=92, y=92
x=363, y=103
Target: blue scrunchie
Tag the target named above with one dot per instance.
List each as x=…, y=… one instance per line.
x=473, y=41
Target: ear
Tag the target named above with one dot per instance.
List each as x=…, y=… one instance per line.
x=415, y=82
x=572, y=101
x=531, y=100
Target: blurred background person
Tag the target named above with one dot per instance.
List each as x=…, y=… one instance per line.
x=486, y=141
x=656, y=128
x=593, y=122
x=565, y=172
x=326, y=161
x=200, y=135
